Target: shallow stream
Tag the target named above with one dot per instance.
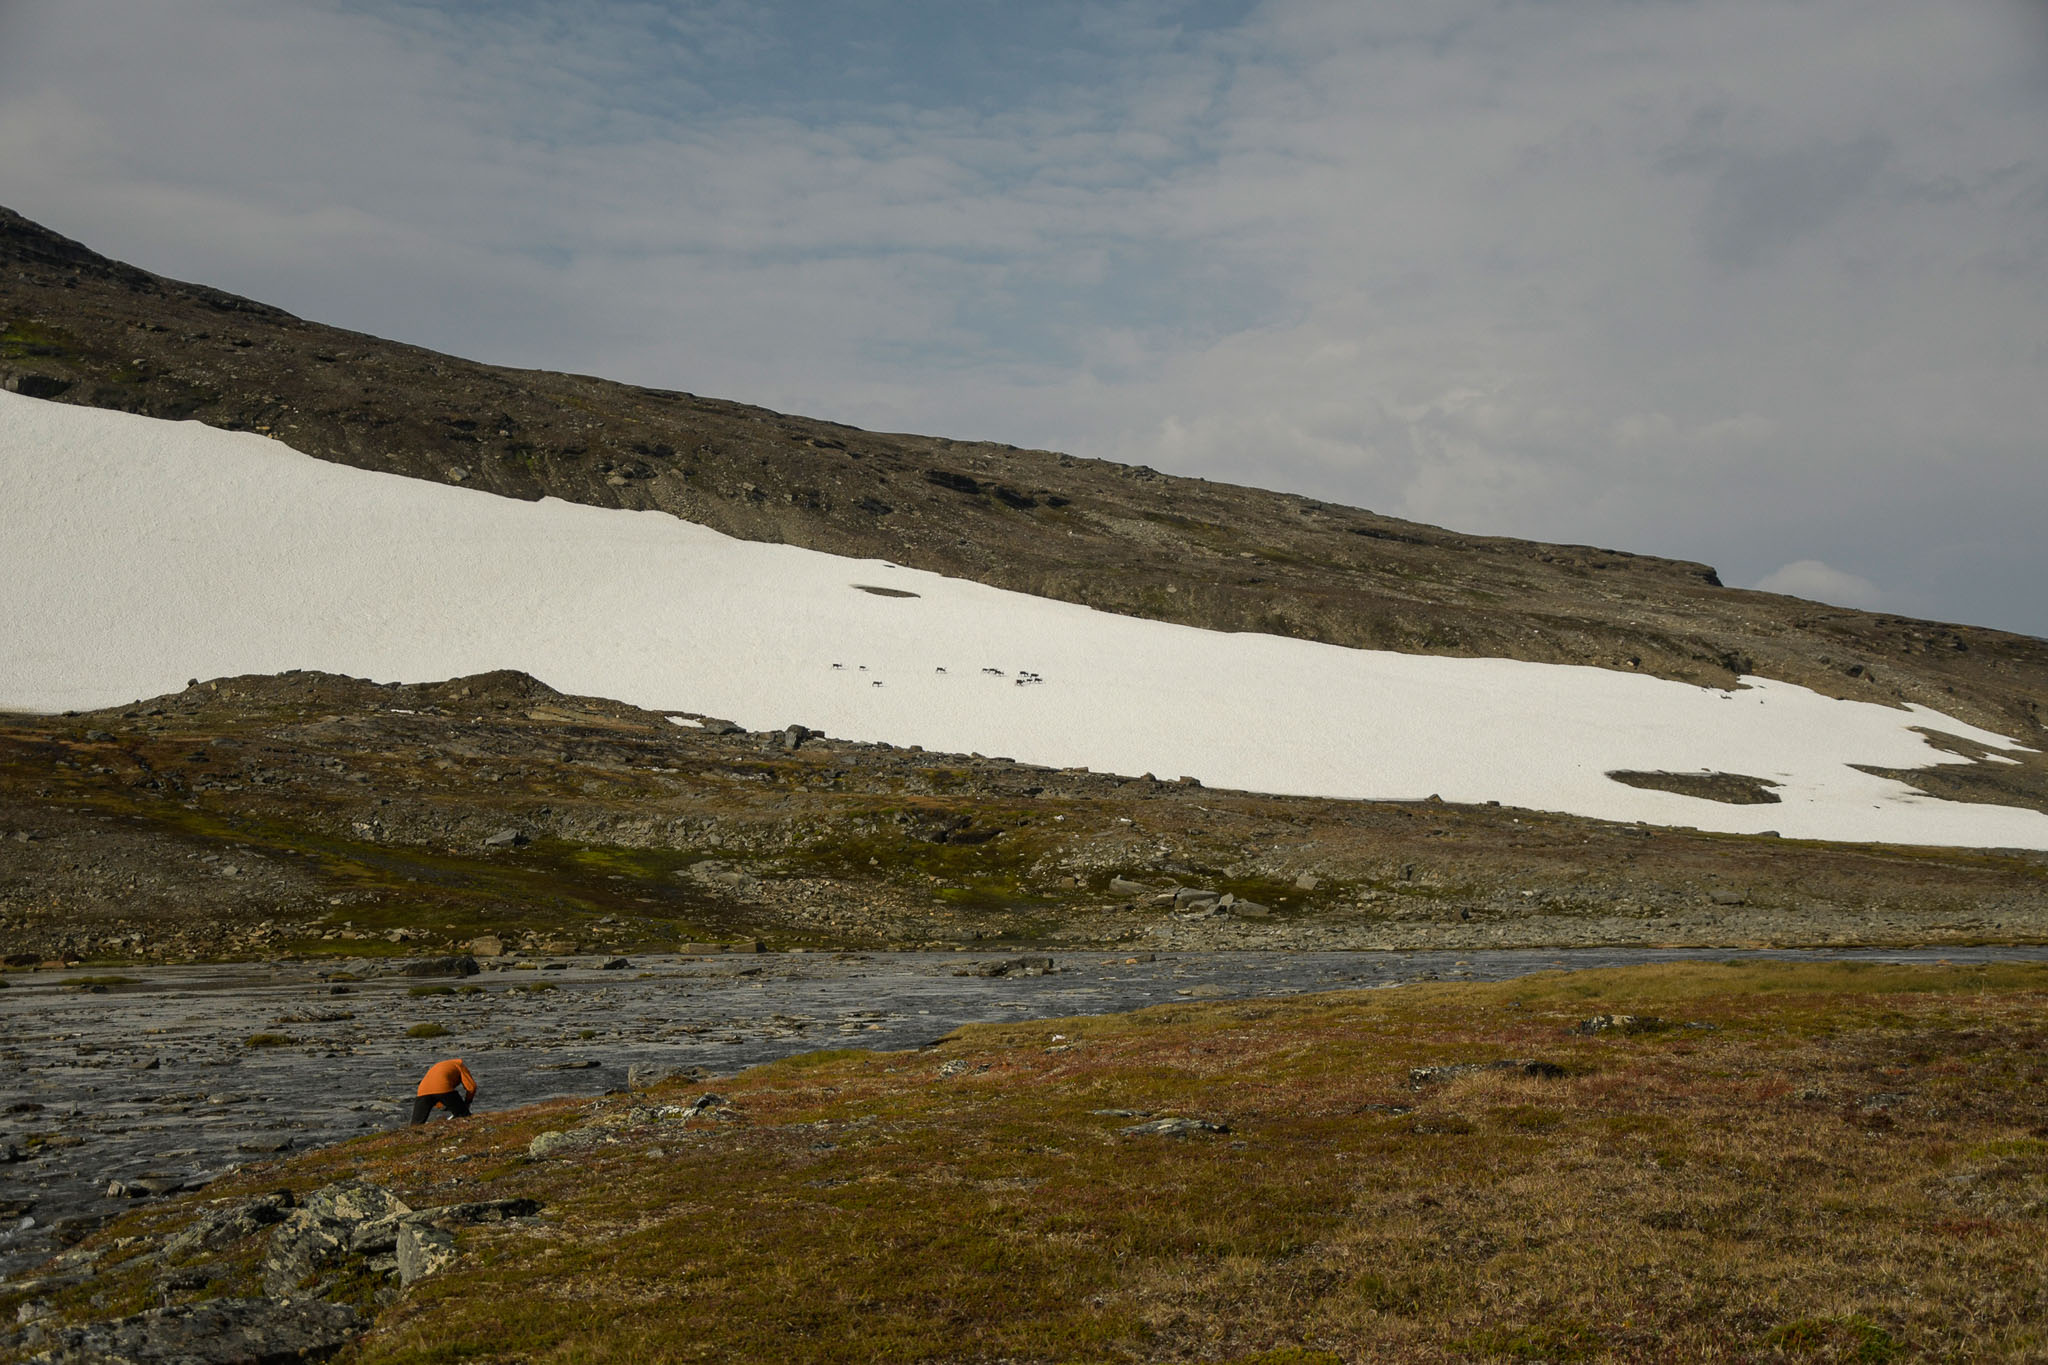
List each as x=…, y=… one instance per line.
x=156, y=1077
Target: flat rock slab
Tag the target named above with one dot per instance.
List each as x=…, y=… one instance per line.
x=219, y=1332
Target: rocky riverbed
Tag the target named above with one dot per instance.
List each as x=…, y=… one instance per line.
x=132, y=1085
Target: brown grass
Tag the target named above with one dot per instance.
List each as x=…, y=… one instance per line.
x=1800, y=1163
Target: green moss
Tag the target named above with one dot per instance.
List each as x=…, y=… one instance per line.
x=25, y=339
x=1562, y=1341
x=1856, y=1339
x=426, y=1031
x=268, y=1040
x=431, y=990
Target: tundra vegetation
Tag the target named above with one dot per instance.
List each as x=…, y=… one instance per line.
x=1791, y=1162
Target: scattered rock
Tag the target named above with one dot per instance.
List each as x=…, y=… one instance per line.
x=1421, y=1076
x=1620, y=1023
x=506, y=838
x=1727, y=898
x=1174, y=1127
x=471, y=1215
x=705, y=1106
x=1017, y=966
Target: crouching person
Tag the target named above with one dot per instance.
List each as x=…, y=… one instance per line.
x=447, y=1084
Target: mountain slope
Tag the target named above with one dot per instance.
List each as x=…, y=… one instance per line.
x=143, y=551
x=81, y=328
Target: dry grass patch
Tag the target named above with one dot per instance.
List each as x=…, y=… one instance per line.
x=1778, y=1163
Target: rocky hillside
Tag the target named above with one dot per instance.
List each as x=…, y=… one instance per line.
x=80, y=328
x=314, y=815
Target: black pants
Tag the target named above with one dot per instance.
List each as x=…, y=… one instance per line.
x=456, y=1103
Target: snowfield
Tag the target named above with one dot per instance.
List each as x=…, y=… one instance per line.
x=139, y=553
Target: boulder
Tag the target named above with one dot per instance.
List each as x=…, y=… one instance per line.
x=640, y=1075
x=335, y=1224
x=1121, y=886
x=555, y=1140
x=423, y=1250
x=463, y=965
x=487, y=945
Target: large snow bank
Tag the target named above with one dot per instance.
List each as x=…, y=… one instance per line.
x=138, y=553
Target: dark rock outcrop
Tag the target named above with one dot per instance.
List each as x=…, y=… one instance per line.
x=216, y=1332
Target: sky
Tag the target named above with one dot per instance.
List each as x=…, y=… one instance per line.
x=1762, y=283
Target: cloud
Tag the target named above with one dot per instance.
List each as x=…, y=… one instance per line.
x=1741, y=283
x=1809, y=578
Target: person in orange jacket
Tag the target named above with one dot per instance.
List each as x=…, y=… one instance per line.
x=447, y=1084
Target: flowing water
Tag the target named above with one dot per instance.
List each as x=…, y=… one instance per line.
x=156, y=1077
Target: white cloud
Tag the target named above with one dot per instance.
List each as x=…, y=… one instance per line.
x=1736, y=282
x=1809, y=578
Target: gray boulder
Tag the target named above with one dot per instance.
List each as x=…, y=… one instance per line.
x=337, y=1223
x=640, y=1075
x=555, y=1140
x=423, y=1250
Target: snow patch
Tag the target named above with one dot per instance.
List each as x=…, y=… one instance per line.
x=138, y=553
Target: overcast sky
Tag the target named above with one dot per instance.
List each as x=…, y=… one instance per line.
x=1757, y=282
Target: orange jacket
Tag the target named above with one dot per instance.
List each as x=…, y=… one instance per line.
x=443, y=1077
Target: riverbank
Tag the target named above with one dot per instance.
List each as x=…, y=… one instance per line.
x=1666, y=1162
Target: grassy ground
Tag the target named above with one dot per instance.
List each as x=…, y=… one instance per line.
x=1796, y=1163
